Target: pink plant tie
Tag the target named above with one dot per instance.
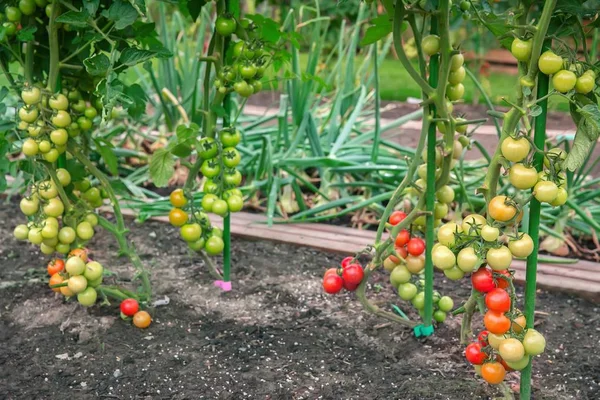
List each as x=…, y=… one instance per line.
x=226, y=286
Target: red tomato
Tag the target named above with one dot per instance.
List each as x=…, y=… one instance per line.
x=331, y=271
x=129, y=307
x=55, y=266
x=397, y=217
x=504, y=364
x=483, y=338
x=496, y=322
x=498, y=300
x=474, y=354
x=501, y=282
x=483, y=280
x=402, y=238
x=332, y=284
x=415, y=246
x=350, y=287
x=346, y=261
x=353, y=274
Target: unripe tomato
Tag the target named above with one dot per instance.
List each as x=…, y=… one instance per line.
x=446, y=304
x=197, y=245
x=84, y=124
x=45, y=146
x=66, y=235
x=515, y=150
x=493, y=372
x=225, y=25
x=54, y=208
x=496, y=322
x=415, y=264
x=467, y=260
x=407, y=291
x=561, y=197
x=545, y=191
x=235, y=203
x=550, y=63
x=90, y=113
x=231, y=157
x=522, y=177
x=88, y=297
x=332, y=284
x=21, y=232
x=59, y=137
x=520, y=364
x=455, y=92
x=191, y=232
x=210, y=168
x=13, y=14
x=564, y=80
x=85, y=230
x=489, y=233
x=52, y=155
x=521, y=247
x=214, y=245
x=142, y=319
x=418, y=301
x=499, y=258
x=64, y=177
x=446, y=235
x=230, y=137
x=61, y=119
x=31, y=95
x=511, y=350
x=456, y=62
x=75, y=266
x=454, y=273
x=93, y=270
x=58, y=102
x=457, y=76
x=129, y=307
x=533, y=342
x=208, y=201
x=443, y=257
x=28, y=114
x=399, y=275
x=521, y=49
x=431, y=44
x=555, y=156
x=585, y=84
x=445, y=194
x=77, y=284
x=439, y=316
x=178, y=217
x=220, y=207
x=502, y=209
x=30, y=147
x=390, y=263
x=49, y=231
x=243, y=89
x=473, y=223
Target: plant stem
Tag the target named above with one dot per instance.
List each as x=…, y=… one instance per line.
x=54, y=50
x=465, y=326
x=534, y=227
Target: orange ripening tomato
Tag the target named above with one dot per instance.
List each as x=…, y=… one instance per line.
x=493, y=372
x=55, y=280
x=81, y=253
x=496, y=322
x=55, y=266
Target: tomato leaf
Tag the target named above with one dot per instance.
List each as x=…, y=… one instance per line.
x=535, y=111
x=380, y=28
x=132, y=56
x=122, y=13
x=588, y=131
x=74, y=18
x=97, y=65
x=91, y=6
x=105, y=149
x=187, y=132
x=181, y=150
x=76, y=169
x=26, y=34
x=138, y=95
x=162, y=167
x=498, y=27
x=268, y=29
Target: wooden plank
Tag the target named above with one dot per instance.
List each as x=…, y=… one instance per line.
x=555, y=270
x=581, y=288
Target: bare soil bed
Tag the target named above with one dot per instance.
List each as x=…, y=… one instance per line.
x=275, y=336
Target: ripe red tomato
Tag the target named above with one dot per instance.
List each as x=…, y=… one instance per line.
x=350, y=287
x=402, y=252
x=483, y=338
x=346, y=261
x=353, y=274
x=496, y=322
x=402, y=238
x=397, y=217
x=483, y=280
x=55, y=266
x=129, y=307
x=332, y=284
x=474, y=354
x=415, y=246
x=331, y=271
x=501, y=282
x=498, y=300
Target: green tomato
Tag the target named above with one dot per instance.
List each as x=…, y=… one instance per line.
x=439, y=316
x=30, y=147
x=454, y=273
x=521, y=49
x=59, y=137
x=66, y=235
x=446, y=304
x=62, y=119
x=197, y=245
x=29, y=206
x=489, y=233
x=467, y=260
x=21, y=232
x=407, y=291
x=59, y=102
x=62, y=248
x=64, y=177
x=419, y=301
x=191, y=232
x=231, y=157
x=233, y=178
x=230, y=137
x=399, y=275
x=522, y=177
x=220, y=207
x=49, y=231
x=91, y=218
x=210, y=168
x=87, y=297
x=247, y=71
x=52, y=155
x=561, y=197
x=85, y=230
x=13, y=14
x=431, y=44
x=214, y=245
x=75, y=266
x=456, y=62
x=95, y=283
x=48, y=190
x=45, y=146
x=550, y=63
x=243, y=88
x=457, y=76
x=31, y=95
x=54, y=208
x=207, y=201
x=84, y=124
x=92, y=194
x=35, y=235
x=28, y=114
x=77, y=284
x=533, y=342
x=207, y=148
x=443, y=257
x=93, y=270
x=520, y=364
x=90, y=113
x=225, y=25
x=455, y=92
x=499, y=258
x=78, y=106
x=235, y=203
x=521, y=247
x=585, y=84
x=545, y=191
x=564, y=81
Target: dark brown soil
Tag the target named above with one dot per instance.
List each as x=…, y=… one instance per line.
x=276, y=336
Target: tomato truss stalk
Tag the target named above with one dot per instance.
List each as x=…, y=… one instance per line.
x=539, y=140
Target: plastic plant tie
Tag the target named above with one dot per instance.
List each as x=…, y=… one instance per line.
x=225, y=286
x=399, y=311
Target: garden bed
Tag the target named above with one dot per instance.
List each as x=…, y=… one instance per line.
x=276, y=335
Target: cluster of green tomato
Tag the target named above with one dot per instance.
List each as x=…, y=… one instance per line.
x=45, y=211
x=12, y=15
x=79, y=276
x=249, y=56
x=49, y=120
x=455, y=90
x=564, y=79
x=195, y=226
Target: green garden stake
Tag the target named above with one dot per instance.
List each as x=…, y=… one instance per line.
x=539, y=139
x=430, y=195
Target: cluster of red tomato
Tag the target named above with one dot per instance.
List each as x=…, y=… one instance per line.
x=249, y=58
x=506, y=344
x=130, y=309
x=348, y=276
